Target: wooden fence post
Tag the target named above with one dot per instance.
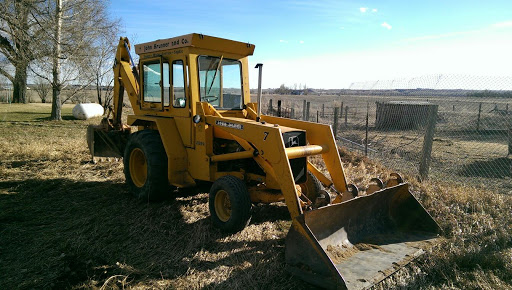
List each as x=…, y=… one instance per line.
x=307, y=111
x=510, y=141
x=292, y=113
x=317, y=116
x=304, y=110
x=366, y=132
x=428, y=140
x=346, y=114
x=323, y=110
x=270, y=109
x=335, y=125
x=279, y=108
x=479, y=113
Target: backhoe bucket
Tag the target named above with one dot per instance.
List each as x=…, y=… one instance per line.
x=106, y=143
x=358, y=243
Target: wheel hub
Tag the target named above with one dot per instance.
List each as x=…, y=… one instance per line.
x=223, y=205
x=138, y=167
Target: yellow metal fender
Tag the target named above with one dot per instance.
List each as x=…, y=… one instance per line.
x=176, y=154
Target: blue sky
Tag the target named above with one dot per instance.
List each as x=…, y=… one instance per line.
x=331, y=44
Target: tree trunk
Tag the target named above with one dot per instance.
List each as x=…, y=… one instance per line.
x=98, y=91
x=20, y=85
x=56, y=85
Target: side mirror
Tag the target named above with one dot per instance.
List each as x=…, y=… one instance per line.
x=180, y=102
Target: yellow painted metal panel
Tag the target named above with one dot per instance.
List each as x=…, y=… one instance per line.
x=269, y=142
x=319, y=134
x=185, y=128
x=197, y=41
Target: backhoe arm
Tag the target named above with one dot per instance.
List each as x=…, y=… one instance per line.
x=125, y=78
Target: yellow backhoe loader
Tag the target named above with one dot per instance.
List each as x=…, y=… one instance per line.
x=195, y=122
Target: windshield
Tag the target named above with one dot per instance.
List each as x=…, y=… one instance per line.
x=220, y=82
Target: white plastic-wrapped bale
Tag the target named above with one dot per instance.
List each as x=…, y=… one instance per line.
x=87, y=111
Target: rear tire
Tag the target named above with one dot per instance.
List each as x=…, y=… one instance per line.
x=230, y=204
x=145, y=166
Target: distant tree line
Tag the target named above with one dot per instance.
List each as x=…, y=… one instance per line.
x=61, y=44
x=491, y=94
x=296, y=90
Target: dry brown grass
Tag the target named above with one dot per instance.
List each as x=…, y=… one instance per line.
x=68, y=223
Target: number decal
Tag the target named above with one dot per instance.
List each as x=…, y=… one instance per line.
x=266, y=135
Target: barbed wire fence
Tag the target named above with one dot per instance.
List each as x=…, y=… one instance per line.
x=445, y=133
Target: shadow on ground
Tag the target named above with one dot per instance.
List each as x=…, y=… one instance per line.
x=494, y=168
x=61, y=233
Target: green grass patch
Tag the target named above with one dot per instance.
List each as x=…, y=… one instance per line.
x=31, y=112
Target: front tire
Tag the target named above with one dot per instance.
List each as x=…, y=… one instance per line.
x=230, y=204
x=145, y=166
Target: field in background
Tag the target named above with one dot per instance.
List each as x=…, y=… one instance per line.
x=69, y=223
x=470, y=143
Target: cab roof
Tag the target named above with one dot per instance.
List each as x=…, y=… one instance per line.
x=197, y=41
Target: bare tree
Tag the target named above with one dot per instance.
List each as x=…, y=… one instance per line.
x=100, y=65
x=56, y=57
x=42, y=88
x=75, y=27
x=20, y=40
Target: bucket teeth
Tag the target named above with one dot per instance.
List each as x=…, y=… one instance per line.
x=375, y=185
x=394, y=179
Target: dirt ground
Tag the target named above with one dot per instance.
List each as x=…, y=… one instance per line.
x=68, y=223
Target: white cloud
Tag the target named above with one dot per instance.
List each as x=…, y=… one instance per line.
x=503, y=24
x=283, y=41
x=386, y=25
x=301, y=42
x=374, y=10
x=363, y=9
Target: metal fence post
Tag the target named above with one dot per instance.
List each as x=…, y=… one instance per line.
x=279, y=108
x=427, y=143
x=270, y=109
x=323, y=110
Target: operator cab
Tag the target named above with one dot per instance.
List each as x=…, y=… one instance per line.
x=181, y=71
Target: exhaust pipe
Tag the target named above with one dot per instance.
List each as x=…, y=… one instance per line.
x=260, y=66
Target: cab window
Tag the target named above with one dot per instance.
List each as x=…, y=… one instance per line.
x=156, y=78
x=220, y=82
x=178, y=84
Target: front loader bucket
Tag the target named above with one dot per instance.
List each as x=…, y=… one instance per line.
x=106, y=143
x=358, y=243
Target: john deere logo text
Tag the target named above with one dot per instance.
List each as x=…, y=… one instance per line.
x=229, y=125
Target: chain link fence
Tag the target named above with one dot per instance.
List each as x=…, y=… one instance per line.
x=450, y=134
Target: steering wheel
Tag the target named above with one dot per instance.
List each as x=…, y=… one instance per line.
x=210, y=99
